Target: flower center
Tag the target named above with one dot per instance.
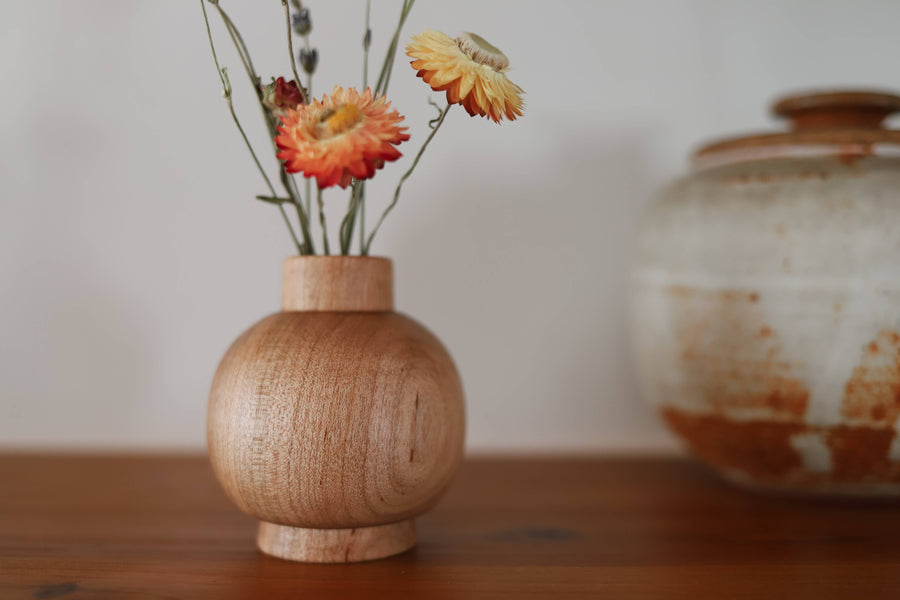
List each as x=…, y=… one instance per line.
x=336, y=121
x=482, y=52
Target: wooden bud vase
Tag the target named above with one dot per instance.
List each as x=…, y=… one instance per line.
x=337, y=420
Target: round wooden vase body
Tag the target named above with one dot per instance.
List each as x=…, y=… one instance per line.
x=336, y=421
x=766, y=301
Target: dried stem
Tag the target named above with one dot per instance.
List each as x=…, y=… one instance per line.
x=307, y=246
x=406, y=175
x=388, y=66
x=290, y=41
x=349, y=220
x=366, y=43
x=362, y=221
x=239, y=45
x=226, y=93
x=322, y=220
x=290, y=185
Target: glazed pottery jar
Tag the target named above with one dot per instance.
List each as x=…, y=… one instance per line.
x=337, y=420
x=766, y=300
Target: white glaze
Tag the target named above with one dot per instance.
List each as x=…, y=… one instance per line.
x=762, y=282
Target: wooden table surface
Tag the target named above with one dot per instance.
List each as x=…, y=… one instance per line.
x=124, y=527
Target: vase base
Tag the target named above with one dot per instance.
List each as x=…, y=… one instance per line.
x=336, y=545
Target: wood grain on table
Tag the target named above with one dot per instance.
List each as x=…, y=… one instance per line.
x=78, y=527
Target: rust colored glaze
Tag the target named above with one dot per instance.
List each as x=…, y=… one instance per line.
x=872, y=394
x=852, y=154
x=838, y=109
x=851, y=122
x=730, y=358
x=761, y=449
x=751, y=367
x=843, y=140
x=762, y=177
x=861, y=453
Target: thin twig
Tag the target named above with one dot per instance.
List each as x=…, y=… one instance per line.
x=406, y=176
x=322, y=220
x=439, y=110
x=290, y=39
x=252, y=75
x=290, y=187
x=362, y=220
x=366, y=43
x=226, y=93
x=388, y=66
x=307, y=247
x=309, y=79
x=239, y=45
x=347, y=224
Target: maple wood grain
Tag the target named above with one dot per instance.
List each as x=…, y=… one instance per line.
x=128, y=527
x=335, y=428
x=338, y=283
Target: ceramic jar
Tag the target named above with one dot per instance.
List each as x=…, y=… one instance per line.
x=766, y=300
x=336, y=421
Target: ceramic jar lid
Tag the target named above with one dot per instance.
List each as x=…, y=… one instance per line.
x=845, y=124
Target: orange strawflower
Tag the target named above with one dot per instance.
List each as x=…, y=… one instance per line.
x=470, y=70
x=345, y=136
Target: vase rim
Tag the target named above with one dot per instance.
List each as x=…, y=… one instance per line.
x=338, y=283
x=844, y=123
x=336, y=256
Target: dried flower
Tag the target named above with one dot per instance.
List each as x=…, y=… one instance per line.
x=281, y=95
x=345, y=136
x=349, y=135
x=301, y=22
x=309, y=58
x=470, y=70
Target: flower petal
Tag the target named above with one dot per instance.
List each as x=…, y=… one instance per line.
x=481, y=89
x=335, y=148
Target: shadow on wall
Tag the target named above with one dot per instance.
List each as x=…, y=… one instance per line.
x=524, y=278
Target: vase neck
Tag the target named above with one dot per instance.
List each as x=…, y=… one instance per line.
x=338, y=283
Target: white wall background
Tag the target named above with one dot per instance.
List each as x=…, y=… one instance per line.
x=132, y=252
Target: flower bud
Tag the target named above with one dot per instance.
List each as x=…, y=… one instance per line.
x=301, y=21
x=281, y=95
x=309, y=59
